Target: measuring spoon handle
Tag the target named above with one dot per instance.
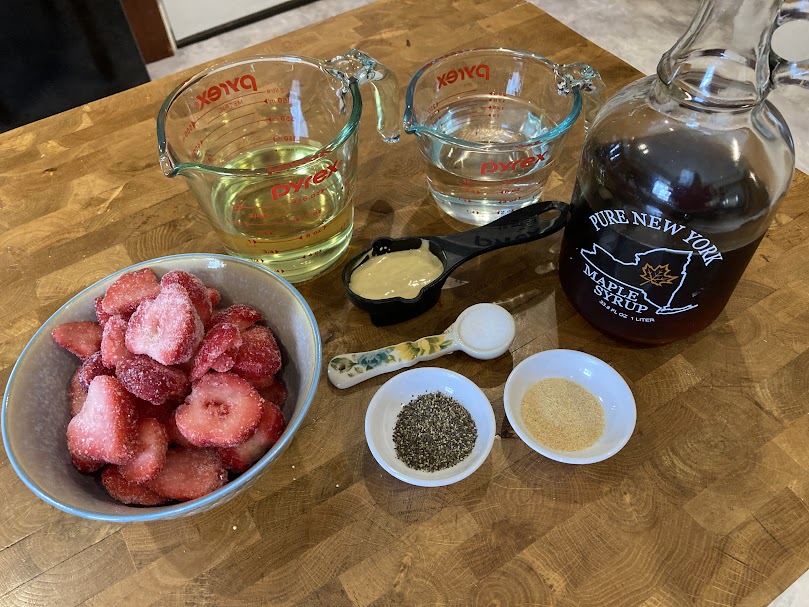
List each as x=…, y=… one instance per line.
x=522, y=225
x=348, y=370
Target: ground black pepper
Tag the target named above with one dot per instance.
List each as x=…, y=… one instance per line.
x=433, y=432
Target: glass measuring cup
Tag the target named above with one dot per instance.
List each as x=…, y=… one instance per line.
x=268, y=146
x=490, y=124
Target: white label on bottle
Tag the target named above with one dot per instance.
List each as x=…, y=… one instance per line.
x=643, y=285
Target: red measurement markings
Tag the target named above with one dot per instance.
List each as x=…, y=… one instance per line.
x=229, y=101
x=210, y=156
x=236, y=128
x=273, y=139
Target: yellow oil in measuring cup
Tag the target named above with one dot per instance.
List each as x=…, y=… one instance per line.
x=268, y=146
x=306, y=215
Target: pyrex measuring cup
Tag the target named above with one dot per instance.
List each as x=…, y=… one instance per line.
x=490, y=124
x=268, y=146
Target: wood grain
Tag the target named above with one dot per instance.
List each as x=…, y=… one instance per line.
x=706, y=505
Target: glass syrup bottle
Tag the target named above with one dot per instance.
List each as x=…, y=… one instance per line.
x=680, y=176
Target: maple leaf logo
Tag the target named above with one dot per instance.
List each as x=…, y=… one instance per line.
x=657, y=275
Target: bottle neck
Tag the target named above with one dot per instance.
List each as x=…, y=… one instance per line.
x=722, y=60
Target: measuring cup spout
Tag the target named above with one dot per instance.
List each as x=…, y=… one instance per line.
x=356, y=66
x=582, y=77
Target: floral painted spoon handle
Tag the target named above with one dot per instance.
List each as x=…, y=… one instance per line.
x=348, y=370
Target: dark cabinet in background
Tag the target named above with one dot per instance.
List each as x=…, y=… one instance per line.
x=58, y=54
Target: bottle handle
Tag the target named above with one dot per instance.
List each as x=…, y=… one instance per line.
x=582, y=77
x=356, y=66
x=783, y=71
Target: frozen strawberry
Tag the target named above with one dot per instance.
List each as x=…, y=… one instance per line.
x=129, y=493
x=148, y=379
x=217, y=341
x=197, y=292
x=276, y=393
x=167, y=328
x=153, y=442
x=80, y=338
x=175, y=437
x=224, y=362
x=101, y=315
x=125, y=294
x=240, y=315
x=78, y=393
x=106, y=427
x=189, y=474
x=158, y=412
x=259, y=357
x=92, y=367
x=86, y=466
x=270, y=428
x=221, y=411
x=113, y=342
x=214, y=296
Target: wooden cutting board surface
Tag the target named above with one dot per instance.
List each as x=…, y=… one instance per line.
x=707, y=504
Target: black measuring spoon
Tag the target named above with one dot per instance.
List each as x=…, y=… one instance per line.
x=523, y=225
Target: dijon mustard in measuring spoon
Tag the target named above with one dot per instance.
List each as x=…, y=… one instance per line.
x=484, y=331
x=396, y=273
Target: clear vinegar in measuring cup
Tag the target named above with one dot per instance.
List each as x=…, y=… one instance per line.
x=478, y=188
x=490, y=124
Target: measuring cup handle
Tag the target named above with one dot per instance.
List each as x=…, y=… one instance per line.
x=583, y=78
x=781, y=70
x=356, y=66
x=523, y=225
x=348, y=370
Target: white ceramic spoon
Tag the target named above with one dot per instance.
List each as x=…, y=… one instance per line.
x=484, y=331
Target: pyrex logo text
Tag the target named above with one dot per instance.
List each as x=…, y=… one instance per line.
x=293, y=187
x=247, y=81
x=500, y=167
x=464, y=73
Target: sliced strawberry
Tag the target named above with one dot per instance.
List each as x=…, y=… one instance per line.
x=113, y=342
x=270, y=428
x=197, y=292
x=101, y=315
x=217, y=341
x=175, y=436
x=158, y=412
x=222, y=410
x=86, y=466
x=148, y=379
x=80, y=338
x=153, y=443
x=78, y=393
x=240, y=315
x=93, y=367
x=259, y=357
x=125, y=294
x=224, y=362
x=167, y=328
x=129, y=493
x=214, y=296
x=189, y=474
x=106, y=427
x=276, y=393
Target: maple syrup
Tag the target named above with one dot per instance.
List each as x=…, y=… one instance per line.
x=680, y=177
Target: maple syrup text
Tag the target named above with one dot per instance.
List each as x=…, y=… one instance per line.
x=615, y=293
